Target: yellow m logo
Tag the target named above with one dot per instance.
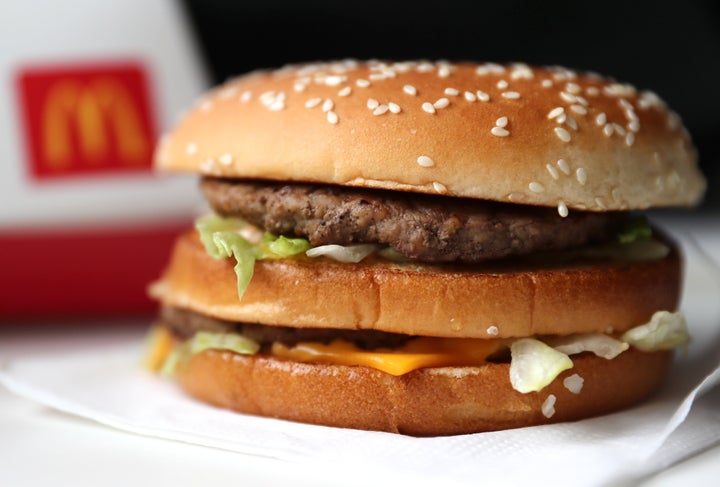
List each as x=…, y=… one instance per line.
x=98, y=110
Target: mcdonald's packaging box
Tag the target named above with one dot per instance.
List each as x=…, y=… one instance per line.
x=87, y=87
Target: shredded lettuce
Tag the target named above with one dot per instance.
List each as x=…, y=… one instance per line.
x=273, y=247
x=343, y=253
x=232, y=237
x=204, y=340
x=598, y=343
x=209, y=225
x=390, y=253
x=178, y=355
x=665, y=331
x=534, y=364
x=636, y=229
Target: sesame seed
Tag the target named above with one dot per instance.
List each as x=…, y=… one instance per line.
x=619, y=129
x=571, y=123
x=617, y=89
x=345, y=91
x=581, y=175
x=600, y=203
x=536, y=187
x=372, y=103
x=313, y=102
x=502, y=84
x=489, y=68
x=511, y=95
x=561, y=76
x=207, y=165
x=273, y=101
x=592, y=91
x=246, y=96
x=546, y=83
x=428, y=107
x=226, y=159
x=568, y=97
x=425, y=67
x=608, y=130
x=562, y=134
x=439, y=187
x=581, y=100
x=444, y=71
x=267, y=97
x=335, y=80
x=482, y=96
x=630, y=139
x=277, y=105
x=501, y=122
x=499, y=132
x=561, y=118
x=328, y=105
x=563, y=165
x=555, y=112
x=380, y=109
x=521, y=71
x=425, y=161
x=362, y=83
x=394, y=107
x=601, y=119
x=553, y=172
x=579, y=109
x=482, y=70
x=452, y=92
x=562, y=209
x=191, y=149
x=410, y=90
x=227, y=92
x=649, y=99
x=470, y=96
x=332, y=117
x=625, y=104
x=441, y=103
x=633, y=126
x=492, y=330
x=573, y=88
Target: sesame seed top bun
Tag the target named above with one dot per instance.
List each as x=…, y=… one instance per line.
x=542, y=136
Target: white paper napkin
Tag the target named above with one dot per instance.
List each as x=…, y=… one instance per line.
x=108, y=385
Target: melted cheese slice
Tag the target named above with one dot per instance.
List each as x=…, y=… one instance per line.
x=415, y=354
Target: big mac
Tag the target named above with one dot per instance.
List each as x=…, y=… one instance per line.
x=428, y=248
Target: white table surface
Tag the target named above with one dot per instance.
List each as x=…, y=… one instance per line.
x=40, y=446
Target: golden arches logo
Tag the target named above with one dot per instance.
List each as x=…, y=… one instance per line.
x=97, y=109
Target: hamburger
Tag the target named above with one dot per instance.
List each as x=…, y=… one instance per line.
x=426, y=248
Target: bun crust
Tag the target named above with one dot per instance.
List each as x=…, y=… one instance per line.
x=544, y=136
x=424, y=300
x=434, y=401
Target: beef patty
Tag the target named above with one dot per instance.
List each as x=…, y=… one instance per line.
x=424, y=227
x=184, y=324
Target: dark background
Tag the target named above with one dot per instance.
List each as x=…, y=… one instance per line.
x=670, y=47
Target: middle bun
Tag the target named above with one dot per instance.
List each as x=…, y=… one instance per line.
x=428, y=300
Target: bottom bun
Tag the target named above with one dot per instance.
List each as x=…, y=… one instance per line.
x=425, y=402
